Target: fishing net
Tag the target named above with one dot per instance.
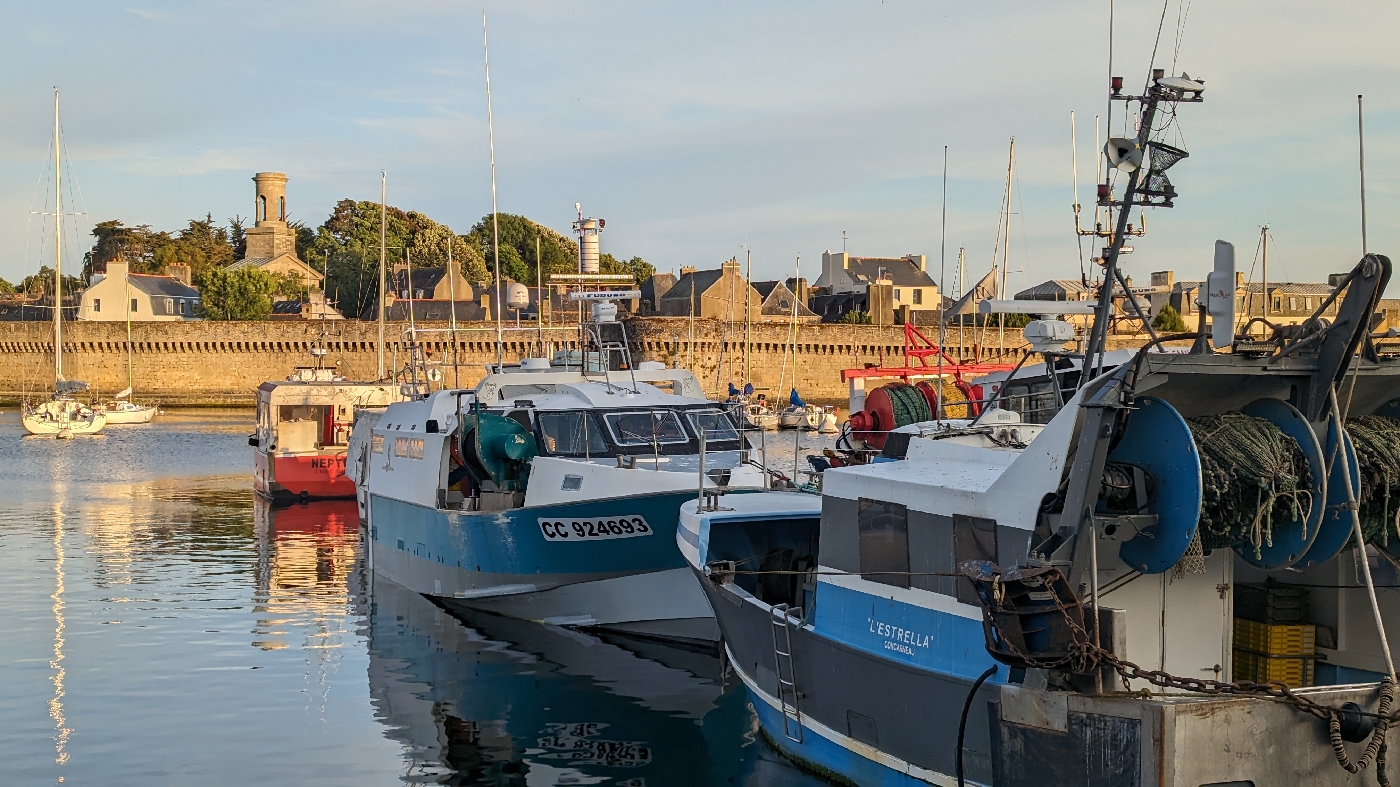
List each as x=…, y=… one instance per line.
x=908, y=404
x=1253, y=475
x=1377, y=442
x=952, y=400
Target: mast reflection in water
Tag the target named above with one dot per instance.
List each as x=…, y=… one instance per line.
x=162, y=625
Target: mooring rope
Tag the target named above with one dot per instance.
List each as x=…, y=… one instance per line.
x=1377, y=442
x=1252, y=475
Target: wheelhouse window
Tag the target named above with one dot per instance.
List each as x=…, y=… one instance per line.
x=884, y=542
x=714, y=425
x=571, y=434
x=645, y=427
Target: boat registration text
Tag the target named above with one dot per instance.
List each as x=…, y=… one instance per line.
x=594, y=529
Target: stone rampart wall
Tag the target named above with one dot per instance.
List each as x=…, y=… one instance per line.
x=222, y=363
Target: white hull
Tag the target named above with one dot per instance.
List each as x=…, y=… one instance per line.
x=133, y=414
x=62, y=418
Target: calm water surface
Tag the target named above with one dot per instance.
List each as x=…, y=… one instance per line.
x=163, y=626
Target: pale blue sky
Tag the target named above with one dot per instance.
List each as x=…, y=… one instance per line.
x=695, y=128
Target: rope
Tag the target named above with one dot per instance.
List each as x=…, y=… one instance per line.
x=1252, y=475
x=952, y=400
x=1377, y=442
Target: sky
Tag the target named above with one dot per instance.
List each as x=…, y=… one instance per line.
x=701, y=131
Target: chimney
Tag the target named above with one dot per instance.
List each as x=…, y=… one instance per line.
x=1239, y=278
x=919, y=260
x=180, y=272
x=1163, y=278
x=117, y=268
x=686, y=269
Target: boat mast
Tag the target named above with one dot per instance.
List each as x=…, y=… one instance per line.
x=1001, y=280
x=1264, y=238
x=57, y=251
x=748, y=311
x=383, y=277
x=495, y=226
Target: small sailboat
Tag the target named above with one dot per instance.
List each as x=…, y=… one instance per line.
x=121, y=410
x=798, y=415
x=61, y=416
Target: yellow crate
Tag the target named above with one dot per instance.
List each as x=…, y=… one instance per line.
x=1292, y=639
x=1295, y=672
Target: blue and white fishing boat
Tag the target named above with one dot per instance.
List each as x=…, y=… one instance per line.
x=1157, y=571
x=550, y=491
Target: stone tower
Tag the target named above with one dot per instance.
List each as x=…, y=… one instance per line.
x=270, y=236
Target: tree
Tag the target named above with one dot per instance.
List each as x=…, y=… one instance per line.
x=238, y=237
x=639, y=269
x=115, y=240
x=856, y=318
x=243, y=294
x=40, y=285
x=6, y=288
x=1168, y=320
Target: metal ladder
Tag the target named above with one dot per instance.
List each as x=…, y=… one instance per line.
x=780, y=617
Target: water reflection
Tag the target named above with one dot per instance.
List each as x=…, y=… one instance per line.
x=487, y=700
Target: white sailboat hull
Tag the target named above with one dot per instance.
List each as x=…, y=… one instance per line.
x=62, y=418
x=127, y=413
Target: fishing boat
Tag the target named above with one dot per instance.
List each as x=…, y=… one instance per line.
x=303, y=431
x=61, y=415
x=1155, y=570
x=550, y=491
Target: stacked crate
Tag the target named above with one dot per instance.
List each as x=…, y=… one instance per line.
x=1272, y=640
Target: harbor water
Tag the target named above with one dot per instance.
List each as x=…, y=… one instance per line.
x=163, y=625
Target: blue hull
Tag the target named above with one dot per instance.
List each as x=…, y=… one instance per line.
x=510, y=544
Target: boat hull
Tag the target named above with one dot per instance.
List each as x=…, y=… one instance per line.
x=62, y=418
x=136, y=415
x=318, y=476
x=502, y=562
x=866, y=719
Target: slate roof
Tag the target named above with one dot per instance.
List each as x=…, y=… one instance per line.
x=659, y=282
x=256, y=262
x=29, y=312
x=425, y=279
x=899, y=270
x=1053, y=290
x=168, y=286
x=429, y=310
x=765, y=288
x=700, y=280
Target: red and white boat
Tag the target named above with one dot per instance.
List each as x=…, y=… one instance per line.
x=303, y=427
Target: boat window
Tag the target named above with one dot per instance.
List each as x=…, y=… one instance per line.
x=884, y=542
x=571, y=434
x=643, y=427
x=376, y=444
x=400, y=446
x=974, y=538
x=715, y=425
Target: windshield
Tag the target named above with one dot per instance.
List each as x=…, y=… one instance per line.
x=713, y=424
x=571, y=434
x=645, y=427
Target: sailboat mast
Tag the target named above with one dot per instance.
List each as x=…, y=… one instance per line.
x=57, y=249
x=1264, y=236
x=495, y=226
x=748, y=312
x=383, y=276
x=1001, y=282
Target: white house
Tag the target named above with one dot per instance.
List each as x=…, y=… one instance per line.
x=146, y=298
x=912, y=287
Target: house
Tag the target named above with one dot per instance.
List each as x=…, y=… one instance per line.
x=432, y=293
x=910, y=283
x=117, y=295
x=314, y=308
x=272, y=245
x=1057, y=290
x=779, y=301
x=712, y=294
x=652, y=290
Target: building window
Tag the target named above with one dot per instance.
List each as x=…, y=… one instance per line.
x=974, y=538
x=918, y=296
x=169, y=305
x=884, y=542
x=1293, y=304
x=1307, y=304
x=262, y=209
x=1278, y=304
x=896, y=293
x=281, y=208
x=97, y=304
x=133, y=305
